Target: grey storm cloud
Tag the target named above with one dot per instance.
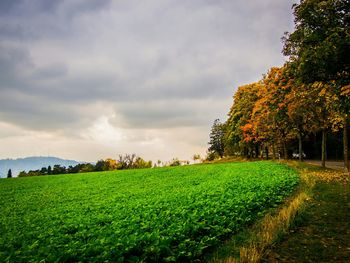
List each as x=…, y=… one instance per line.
x=149, y=63
x=166, y=113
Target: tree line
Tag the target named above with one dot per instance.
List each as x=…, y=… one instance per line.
x=127, y=161
x=123, y=162
x=308, y=96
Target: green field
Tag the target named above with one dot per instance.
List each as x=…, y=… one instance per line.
x=161, y=214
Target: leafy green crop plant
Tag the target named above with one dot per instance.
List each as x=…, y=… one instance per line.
x=162, y=214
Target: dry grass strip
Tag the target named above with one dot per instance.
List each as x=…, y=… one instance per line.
x=270, y=228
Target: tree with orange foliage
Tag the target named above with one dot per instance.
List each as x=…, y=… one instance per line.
x=237, y=137
x=272, y=108
x=279, y=109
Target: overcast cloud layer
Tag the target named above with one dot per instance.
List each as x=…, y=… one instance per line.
x=90, y=79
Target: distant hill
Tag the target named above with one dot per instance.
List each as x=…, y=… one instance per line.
x=31, y=163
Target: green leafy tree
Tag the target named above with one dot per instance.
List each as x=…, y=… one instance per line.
x=58, y=169
x=196, y=157
x=43, y=171
x=22, y=174
x=175, y=162
x=320, y=45
x=100, y=165
x=141, y=163
x=34, y=173
x=216, y=143
x=85, y=167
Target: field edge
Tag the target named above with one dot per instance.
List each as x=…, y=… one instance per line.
x=251, y=244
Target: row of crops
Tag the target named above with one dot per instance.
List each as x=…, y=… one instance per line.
x=163, y=214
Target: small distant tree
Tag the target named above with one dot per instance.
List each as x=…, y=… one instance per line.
x=58, y=169
x=43, y=171
x=126, y=161
x=216, y=143
x=49, y=170
x=106, y=165
x=22, y=174
x=100, y=165
x=85, y=167
x=111, y=164
x=129, y=160
x=211, y=156
x=157, y=164
x=175, y=162
x=9, y=174
x=141, y=163
x=34, y=173
x=73, y=169
x=196, y=157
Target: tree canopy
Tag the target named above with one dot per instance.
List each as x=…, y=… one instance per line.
x=319, y=47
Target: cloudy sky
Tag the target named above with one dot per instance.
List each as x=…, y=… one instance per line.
x=90, y=79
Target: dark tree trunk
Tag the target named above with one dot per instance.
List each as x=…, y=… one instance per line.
x=245, y=152
x=285, y=150
x=267, y=152
x=324, y=149
x=273, y=150
x=300, y=147
x=256, y=151
x=345, y=144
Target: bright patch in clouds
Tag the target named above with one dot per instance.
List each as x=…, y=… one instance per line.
x=104, y=133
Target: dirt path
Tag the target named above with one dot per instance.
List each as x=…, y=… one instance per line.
x=336, y=165
x=321, y=232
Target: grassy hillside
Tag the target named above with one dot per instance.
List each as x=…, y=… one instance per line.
x=165, y=214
